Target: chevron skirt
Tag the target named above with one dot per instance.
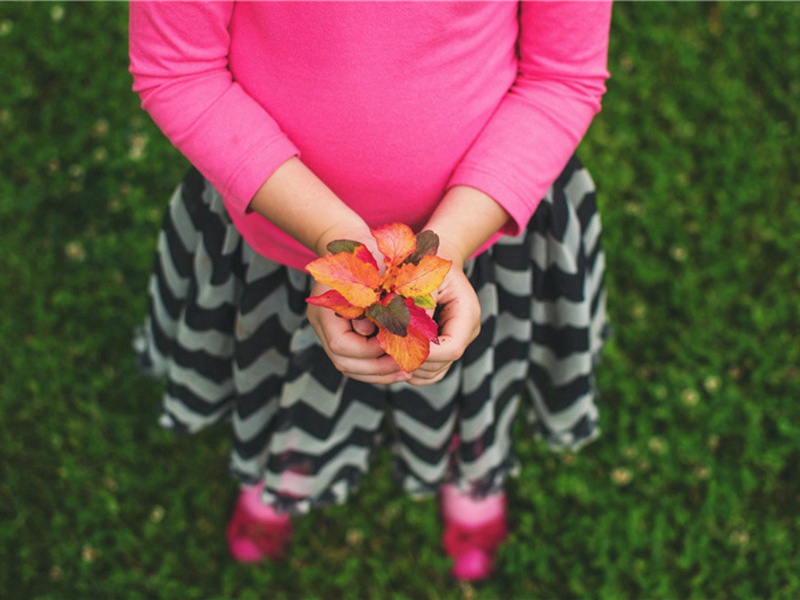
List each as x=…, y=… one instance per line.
x=227, y=332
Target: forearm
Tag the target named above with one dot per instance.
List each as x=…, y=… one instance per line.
x=562, y=55
x=298, y=202
x=464, y=220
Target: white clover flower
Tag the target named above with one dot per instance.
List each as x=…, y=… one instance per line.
x=157, y=514
x=657, y=445
x=711, y=383
x=622, y=476
x=690, y=397
x=678, y=253
x=75, y=251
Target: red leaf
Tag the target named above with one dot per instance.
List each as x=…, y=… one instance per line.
x=422, y=322
x=355, y=279
x=335, y=301
x=363, y=254
x=408, y=352
x=418, y=280
x=396, y=242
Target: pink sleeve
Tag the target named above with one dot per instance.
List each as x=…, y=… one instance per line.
x=563, y=50
x=179, y=63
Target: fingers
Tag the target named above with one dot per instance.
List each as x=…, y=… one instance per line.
x=338, y=337
x=398, y=377
x=351, y=352
x=363, y=327
x=438, y=363
x=459, y=326
x=357, y=355
x=362, y=359
x=349, y=344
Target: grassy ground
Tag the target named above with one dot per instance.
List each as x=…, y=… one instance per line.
x=694, y=489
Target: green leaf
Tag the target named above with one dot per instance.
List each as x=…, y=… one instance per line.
x=393, y=316
x=427, y=244
x=349, y=246
x=425, y=301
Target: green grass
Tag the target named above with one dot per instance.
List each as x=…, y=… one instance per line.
x=692, y=492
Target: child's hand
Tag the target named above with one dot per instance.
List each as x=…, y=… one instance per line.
x=464, y=220
x=459, y=325
x=345, y=342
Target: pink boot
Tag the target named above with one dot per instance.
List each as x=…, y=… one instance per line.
x=256, y=532
x=473, y=531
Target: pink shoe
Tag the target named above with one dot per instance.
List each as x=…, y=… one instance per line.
x=252, y=540
x=473, y=547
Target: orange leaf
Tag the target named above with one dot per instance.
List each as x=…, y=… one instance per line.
x=418, y=280
x=408, y=352
x=351, y=247
x=335, y=301
x=395, y=241
x=388, y=278
x=355, y=279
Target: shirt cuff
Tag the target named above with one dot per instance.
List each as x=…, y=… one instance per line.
x=264, y=158
x=519, y=208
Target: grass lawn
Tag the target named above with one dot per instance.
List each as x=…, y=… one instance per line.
x=692, y=491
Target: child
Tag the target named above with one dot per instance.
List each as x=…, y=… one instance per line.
x=311, y=122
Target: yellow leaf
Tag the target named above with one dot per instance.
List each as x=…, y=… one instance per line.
x=425, y=301
x=418, y=280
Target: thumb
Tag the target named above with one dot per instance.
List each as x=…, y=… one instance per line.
x=363, y=327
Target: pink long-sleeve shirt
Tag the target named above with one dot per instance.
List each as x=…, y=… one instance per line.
x=389, y=103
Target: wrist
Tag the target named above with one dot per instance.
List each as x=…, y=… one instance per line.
x=453, y=251
x=300, y=204
x=465, y=218
x=349, y=230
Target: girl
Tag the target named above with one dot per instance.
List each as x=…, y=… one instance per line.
x=311, y=122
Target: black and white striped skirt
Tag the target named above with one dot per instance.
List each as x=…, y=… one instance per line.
x=227, y=331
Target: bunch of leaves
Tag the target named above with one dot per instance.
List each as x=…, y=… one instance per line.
x=396, y=301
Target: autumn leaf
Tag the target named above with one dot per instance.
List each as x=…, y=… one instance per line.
x=396, y=242
x=397, y=301
x=360, y=250
x=418, y=280
x=408, y=352
x=421, y=321
x=427, y=245
x=425, y=301
x=355, y=279
x=337, y=246
x=335, y=301
x=391, y=313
